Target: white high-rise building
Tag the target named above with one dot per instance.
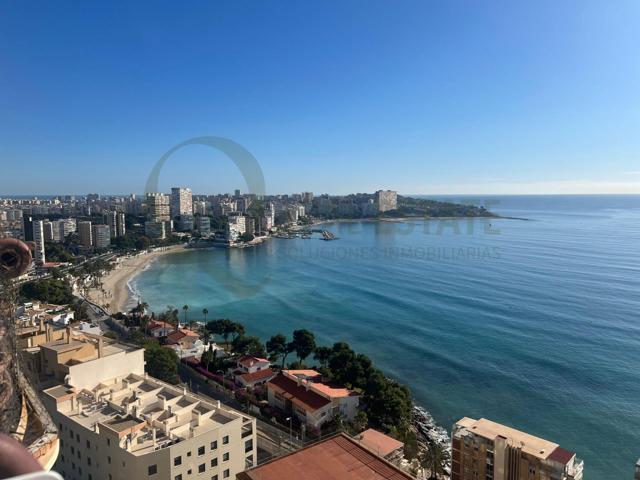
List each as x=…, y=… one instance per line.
x=386, y=200
x=181, y=201
x=236, y=227
x=158, y=207
x=65, y=227
x=38, y=238
x=121, y=228
x=101, y=236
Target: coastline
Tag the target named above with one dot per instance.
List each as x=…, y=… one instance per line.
x=117, y=290
x=409, y=219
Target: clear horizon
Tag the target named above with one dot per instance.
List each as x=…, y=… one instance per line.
x=458, y=99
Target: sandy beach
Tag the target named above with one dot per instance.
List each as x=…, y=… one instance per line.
x=116, y=292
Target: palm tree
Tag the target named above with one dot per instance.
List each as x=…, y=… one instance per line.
x=205, y=312
x=185, y=309
x=435, y=459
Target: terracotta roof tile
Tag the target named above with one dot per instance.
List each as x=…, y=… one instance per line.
x=308, y=399
x=337, y=458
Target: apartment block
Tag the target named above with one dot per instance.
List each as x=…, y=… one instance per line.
x=303, y=394
x=181, y=201
x=85, y=233
x=236, y=227
x=38, y=239
x=101, y=236
x=482, y=449
x=158, y=207
x=155, y=230
x=115, y=422
x=386, y=200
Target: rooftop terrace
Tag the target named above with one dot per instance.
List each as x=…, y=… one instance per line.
x=142, y=413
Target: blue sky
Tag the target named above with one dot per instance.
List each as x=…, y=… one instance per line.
x=333, y=96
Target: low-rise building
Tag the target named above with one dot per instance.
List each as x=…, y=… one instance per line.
x=252, y=371
x=159, y=329
x=303, y=394
x=486, y=449
x=336, y=458
x=382, y=445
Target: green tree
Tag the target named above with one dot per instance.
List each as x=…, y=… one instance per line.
x=435, y=459
x=57, y=291
x=161, y=362
x=185, y=309
x=322, y=355
x=248, y=346
x=411, y=448
x=304, y=343
x=277, y=347
x=222, y=327
x=143, y=243
x=237, y=330
x=360, y=422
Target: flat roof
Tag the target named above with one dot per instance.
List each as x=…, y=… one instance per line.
x=378, y=442
x=337, y=458
x=530, y=444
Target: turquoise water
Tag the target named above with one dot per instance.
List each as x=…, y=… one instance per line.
x=535, y=324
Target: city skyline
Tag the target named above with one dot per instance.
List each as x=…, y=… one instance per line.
x=426, y=98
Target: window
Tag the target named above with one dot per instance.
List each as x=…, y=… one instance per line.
x=214, y=445
x=178, y=477
x=109, y=441
x=188, y=454
x=152, y=470
x=215, y=477
x=90, y=477
x=78, y=437
x=88, y=444
x=225, y=474
x=248, y=446
x=225, y=457
x=109, y=460
x=214, y=462
x=89, y=461
x=225, y=440
x=201, y=468
x=177, y=461
x=201, y=450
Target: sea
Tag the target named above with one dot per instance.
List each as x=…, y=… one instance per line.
x=531, y=321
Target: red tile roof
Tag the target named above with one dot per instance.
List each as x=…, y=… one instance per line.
x=561, y=455
x=337, y=458
x=379, y=443
x=175, y=337
x=314, y=381
x=249, y=360
x=257, y=376
x=307, y=399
